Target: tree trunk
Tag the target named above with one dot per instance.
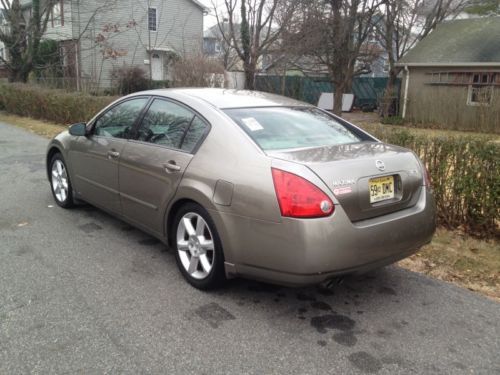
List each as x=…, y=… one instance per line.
x=249, y=77
x=19, y=75
x=388, y=108
x=337, y=98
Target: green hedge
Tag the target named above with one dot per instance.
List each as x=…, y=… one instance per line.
x=465, y=174
x=52, y=105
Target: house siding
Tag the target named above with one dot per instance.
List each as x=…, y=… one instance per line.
x=446, y=106
x=180, y=31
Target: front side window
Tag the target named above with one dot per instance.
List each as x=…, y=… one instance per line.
x=118, y=121
x=165, y=124
x=279, y=128
x=152, y=19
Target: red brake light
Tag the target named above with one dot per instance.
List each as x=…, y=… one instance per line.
x=300, y=198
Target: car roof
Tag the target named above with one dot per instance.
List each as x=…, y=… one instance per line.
x=226, y=98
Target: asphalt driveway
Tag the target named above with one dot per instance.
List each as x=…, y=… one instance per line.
x=82, y=292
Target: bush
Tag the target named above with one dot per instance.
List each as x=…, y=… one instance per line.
x=465, y=174
x=392, y=120
x=130, y=79
x=197, y=71
x=52, y=105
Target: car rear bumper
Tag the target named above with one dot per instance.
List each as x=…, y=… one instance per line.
x=301, y=252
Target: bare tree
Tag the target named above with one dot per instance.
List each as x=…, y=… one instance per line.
x=252, y=29
x=406, y=22
x=225, y=54
x=331, y=34
x=21, y=36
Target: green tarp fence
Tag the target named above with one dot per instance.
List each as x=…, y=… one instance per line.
x=366, y=90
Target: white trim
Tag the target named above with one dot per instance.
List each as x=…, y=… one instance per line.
x=204, y=8
x=405, y=98
x=160, y=49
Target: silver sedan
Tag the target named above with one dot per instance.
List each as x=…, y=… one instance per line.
x=247, y=184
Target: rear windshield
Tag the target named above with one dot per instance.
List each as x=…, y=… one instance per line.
x=279, y=128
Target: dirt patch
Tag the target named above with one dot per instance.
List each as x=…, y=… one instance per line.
x=465, y=261
x=45, y=129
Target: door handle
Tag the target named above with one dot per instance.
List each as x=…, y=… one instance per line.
x=171, y=166
x=113, y=154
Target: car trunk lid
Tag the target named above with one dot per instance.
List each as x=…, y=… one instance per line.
x=368, y=179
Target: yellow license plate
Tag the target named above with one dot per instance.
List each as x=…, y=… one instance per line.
x=381, y=188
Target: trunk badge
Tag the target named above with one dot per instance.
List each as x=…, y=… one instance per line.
x=380, y=165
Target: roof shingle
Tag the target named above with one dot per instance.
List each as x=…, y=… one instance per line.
x=458, y=42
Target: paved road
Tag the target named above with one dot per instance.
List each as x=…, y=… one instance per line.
x=81, y=292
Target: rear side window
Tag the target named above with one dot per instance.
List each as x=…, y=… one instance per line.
x=165, y=123
x=279, y=128
x=195, y=133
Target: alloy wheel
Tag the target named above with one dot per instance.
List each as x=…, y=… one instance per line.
x=59, y=180
x=195, y=245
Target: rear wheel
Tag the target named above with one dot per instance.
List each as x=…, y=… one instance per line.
x=60, y=183
x=198, y=249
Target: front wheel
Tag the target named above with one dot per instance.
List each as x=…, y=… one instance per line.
x=198, y=249
x=60, y=183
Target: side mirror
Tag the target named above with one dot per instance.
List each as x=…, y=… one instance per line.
x=78, y=130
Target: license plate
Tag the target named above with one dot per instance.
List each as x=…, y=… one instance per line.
x=381, y=188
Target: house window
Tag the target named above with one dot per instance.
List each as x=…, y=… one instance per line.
x=57, y=14
x=152, y=19
x=479, y=95
x=481, y=88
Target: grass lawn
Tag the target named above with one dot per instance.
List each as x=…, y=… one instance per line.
x=45, y=129
x=454, y=257
x=451, y=256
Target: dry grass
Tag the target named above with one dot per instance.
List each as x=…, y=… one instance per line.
x=371, y=123
x=454, y=257
x=45, y=129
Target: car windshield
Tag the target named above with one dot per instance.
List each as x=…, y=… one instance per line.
x=279, y=128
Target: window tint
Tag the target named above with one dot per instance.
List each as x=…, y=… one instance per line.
x=194, y=134
x=119, y=120
x=282, y=128
x=165, y=124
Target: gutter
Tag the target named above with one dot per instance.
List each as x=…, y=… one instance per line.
x=452, y=64
x=405, y=97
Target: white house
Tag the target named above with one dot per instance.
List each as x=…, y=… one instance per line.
x=97, y=36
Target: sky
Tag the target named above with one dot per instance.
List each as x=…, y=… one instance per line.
x=209, y=20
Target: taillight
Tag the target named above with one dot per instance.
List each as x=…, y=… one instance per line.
x=300, y=198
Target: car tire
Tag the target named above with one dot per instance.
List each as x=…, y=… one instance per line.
x=60, y=183
x=198, y=250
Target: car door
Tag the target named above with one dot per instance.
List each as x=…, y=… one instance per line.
x=152, y=165
x=95, y=158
